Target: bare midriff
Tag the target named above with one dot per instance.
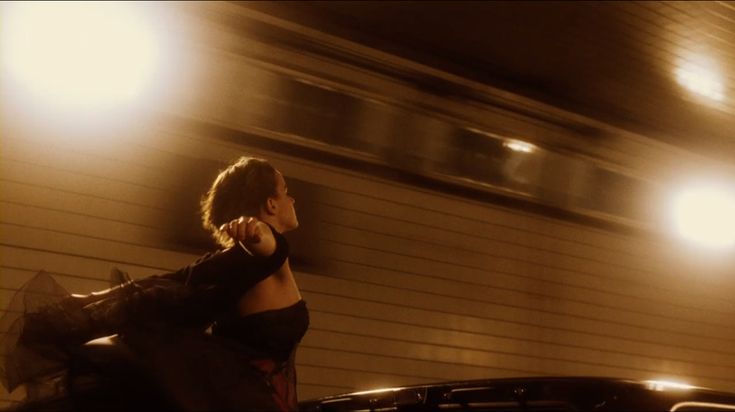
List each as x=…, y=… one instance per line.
x=277, y=291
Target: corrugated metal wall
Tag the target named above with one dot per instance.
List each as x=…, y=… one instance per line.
x=413, y=285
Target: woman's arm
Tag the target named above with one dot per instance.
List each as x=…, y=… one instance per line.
x=263, y=252
x=200, y=291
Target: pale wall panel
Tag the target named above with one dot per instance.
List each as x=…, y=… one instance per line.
x=663, y=256
x=494, y=345
x=435, y=257
x=515, y=229
x=487, y=287
x=76, y=223
x=578, y=322
x=527, y=275
x=395, y=364
x=469, y=292
x=466, y=233
x=85, y=267
x=719, y=365
x=523, y=333
x=47, y=177
x=524, y=365
x=90, y=246
x=71, y=203
x=101, y=160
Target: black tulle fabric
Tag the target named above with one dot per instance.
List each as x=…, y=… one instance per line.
x=39, y=299
x=246, y=363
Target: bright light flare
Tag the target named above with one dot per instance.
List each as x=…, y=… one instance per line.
x=375, y=391
x=705, y=214
x=519, y=146
x=702, y=79
x=79, y=54
x=662, y=385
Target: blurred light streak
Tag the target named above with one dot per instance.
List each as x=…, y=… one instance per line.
x=705, y=214
x=519, y=146
x=700, y=77
x=663, y=385
x=376, y=391
x=79, y=55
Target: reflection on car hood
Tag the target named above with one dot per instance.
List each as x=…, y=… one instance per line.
x=532, y=394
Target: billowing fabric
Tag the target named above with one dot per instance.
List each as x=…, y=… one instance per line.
x=35, y=302
x=161, y=321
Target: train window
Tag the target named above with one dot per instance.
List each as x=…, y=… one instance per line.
x=411, y=139
x=479, y=157
x=617, y=195
x=316, y=112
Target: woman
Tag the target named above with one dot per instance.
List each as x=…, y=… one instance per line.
x=245, y=294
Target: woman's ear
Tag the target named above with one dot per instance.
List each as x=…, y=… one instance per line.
x=270, y=206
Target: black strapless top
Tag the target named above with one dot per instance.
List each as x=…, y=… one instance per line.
x=270, y=334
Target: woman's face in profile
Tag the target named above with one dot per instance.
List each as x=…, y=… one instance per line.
x=285, y=211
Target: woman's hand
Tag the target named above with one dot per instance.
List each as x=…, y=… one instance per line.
x=253, y=235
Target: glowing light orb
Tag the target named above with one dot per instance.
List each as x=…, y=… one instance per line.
x=79, y=54
x=702, y=79
x=706, y=215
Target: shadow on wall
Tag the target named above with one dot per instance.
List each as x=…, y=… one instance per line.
x=307, y=253
x=183, y=229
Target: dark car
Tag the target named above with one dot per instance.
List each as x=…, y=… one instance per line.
x=532, y=394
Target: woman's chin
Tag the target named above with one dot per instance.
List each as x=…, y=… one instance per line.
x=291, y=227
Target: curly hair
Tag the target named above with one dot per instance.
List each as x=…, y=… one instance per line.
x=241, y=189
